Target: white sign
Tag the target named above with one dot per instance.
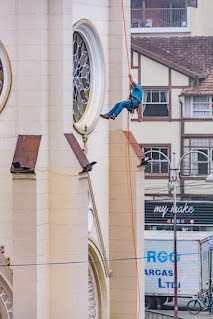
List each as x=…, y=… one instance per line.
x=164, y=209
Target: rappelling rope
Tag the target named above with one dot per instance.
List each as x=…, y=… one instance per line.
x=127, y=51
x=129, y=190
x=128, y=176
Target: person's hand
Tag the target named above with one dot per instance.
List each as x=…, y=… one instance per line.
x=130, y=75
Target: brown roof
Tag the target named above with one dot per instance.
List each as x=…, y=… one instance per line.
x=136, y=147
x=26, y=153
x=77, y=150
x=205, y=87
x=192, y=56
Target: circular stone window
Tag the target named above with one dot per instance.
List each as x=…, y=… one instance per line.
x=5, y=76
x=88, y=77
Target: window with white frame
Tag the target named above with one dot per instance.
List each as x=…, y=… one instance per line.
x=202, y=106
x=155, y=103
x=158, y=163
x=200, y=159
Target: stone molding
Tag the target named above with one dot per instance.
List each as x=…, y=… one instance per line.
x=7, y=76
x=99, y=232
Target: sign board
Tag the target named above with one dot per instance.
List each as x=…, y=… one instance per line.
x=159, y=267
x=191, y=212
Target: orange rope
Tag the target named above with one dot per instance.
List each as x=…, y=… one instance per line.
x=127, y=174
x=131, y=217
x=127, y=51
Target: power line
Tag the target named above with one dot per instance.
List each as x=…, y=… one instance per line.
x=87, y=261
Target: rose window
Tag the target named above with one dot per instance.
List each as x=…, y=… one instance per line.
x=92, y=296
x=81, y=77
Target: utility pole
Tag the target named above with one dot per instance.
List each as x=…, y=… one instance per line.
x=210, y=277
x=174, y=178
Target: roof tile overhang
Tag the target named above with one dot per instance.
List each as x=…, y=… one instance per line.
x=26, y=154
x=136, y=147
x=81, y=157
x=167, y=63
x=204, y=88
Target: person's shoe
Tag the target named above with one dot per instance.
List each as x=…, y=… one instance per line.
x=105, y=116
x=112, y=117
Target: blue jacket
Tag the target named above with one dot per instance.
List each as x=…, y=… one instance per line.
x=138, y=92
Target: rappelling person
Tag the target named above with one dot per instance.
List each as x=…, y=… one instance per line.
x=133, y=102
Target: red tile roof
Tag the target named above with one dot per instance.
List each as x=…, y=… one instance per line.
x=192, y=56
x=204, y=88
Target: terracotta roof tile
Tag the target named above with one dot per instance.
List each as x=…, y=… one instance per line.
x=205, y=87
x=192, y=56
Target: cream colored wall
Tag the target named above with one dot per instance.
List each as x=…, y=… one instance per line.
x=25, y=247
x=157, y=133
x=135, y=59
x=153, y=73
x=123, y=278
x=176, y=106
x=198, y=128
x=201, y=23
x=179, y=79
x=8, y=125
x=68, y=204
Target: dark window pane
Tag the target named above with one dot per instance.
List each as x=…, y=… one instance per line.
x=163, y=95
x=148, y=168
x=202, y=168
x=155, y=167
x=155, y=96
x=147, y=149
x=201, y=157
x=155, y=155
x=164, y=167
x=148, y=98
x=156, y=110
x=164, y=151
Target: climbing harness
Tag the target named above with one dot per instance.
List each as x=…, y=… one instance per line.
x=131, y=108
x=128, y=176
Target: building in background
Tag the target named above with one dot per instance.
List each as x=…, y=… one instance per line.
x=171, y=17
x=63, y=216
x=176, y=116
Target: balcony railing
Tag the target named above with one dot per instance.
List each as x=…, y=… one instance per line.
x=159, y=18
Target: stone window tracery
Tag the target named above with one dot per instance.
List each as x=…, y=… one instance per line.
x=81, y=76
x=1, y=77
x=92, y=296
